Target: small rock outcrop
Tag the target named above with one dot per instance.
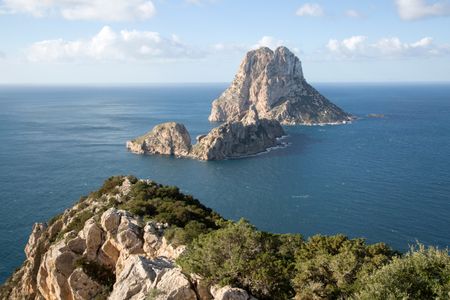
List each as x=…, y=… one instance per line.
x=273, y=82
x=233, y=139
x=248, y=136
x=168, y=138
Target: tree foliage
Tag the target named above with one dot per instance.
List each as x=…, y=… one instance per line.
x=423, y=273
x=240, y=255
x=329, y=267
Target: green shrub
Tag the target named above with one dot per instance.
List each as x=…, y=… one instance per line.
x=109, y=186
x=77, y=223
x=240, y=255
x=184, y=236
x=330, y=267
x=420, y=274
x=167, y=205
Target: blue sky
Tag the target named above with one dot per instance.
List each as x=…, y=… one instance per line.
x=141, y=41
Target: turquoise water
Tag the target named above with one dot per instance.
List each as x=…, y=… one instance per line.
x=383, y=179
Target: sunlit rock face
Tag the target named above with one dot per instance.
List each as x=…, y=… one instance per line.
x=273, y=82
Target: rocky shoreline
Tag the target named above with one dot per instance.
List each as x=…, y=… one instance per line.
x=233, y=139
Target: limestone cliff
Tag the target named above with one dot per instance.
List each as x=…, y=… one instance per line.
x=96, y=250
x=168, y=138
x=273, y=82
x=233, y=139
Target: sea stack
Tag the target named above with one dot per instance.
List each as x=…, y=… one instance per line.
x=273, y=82
x=233, y=139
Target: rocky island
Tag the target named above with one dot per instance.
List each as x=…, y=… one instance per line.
x=139, y=240
x=273, y=82
x=233, y=139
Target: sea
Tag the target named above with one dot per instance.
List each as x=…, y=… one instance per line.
x=385, y=179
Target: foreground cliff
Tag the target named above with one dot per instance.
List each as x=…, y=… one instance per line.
x=273, y=82
x=113, y=244
x=233, y=139
x=136, y=239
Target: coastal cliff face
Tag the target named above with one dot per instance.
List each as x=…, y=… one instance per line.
x=248, y=136
x=136, y=239
x=95, y=250
x=168, y=138
x=233, y=139
x=273, y=82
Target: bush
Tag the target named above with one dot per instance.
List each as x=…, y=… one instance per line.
x=109, y=186
x=77, y=223
x=240, y=255
x=187, y=216
x=420, y=274
x=330, y=267
x=184, y=236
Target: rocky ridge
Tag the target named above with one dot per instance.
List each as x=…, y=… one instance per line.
x=96, y=250
x=274, y=83
x=233, y=139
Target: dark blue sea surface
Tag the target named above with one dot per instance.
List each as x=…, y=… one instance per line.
x=385, y=179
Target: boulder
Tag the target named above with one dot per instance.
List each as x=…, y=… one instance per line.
x=174, y=285
x=135, y=281
x=229, y=293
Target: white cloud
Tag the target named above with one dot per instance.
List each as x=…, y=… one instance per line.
x=349, y=47
x=268, y=41
x=419, y=9
x=352, y=13
x=310, y=9
x=105, y=10
x=392, y=47
x=2, y=54
x=109, y=45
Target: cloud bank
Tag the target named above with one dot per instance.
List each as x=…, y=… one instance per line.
x=419, y=9
x=108, y=45
x=357, y=47
x=105, y=10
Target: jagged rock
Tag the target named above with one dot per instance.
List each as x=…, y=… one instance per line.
x=174, y=285
x=93, y=236
x=237, y=138
x=234, y=139
x=82, y=287
x=273, y=82
x=129, y=235
x=36, y=233
x=56, y=267
x=137, y=276
x=77, y=245
x=110, y=220
x=229, y=293
x=168, y=138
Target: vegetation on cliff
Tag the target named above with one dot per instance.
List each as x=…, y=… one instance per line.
x=220, y=252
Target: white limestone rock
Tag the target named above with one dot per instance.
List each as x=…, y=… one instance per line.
x=168, y=138
x=273, y=82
